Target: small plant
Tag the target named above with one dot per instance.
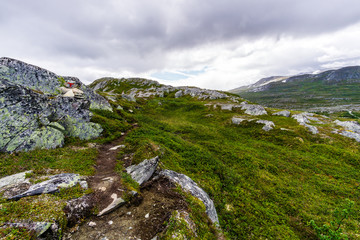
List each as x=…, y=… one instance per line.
x=334, y=230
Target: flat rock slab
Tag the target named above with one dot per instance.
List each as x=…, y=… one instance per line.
x=144, y=170
x=116, y=147
x=13, y=179
x=189, y=185
x=116, y=203
x=64, y=180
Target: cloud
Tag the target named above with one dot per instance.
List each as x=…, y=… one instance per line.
x=236, y=41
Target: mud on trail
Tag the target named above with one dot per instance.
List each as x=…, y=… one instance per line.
x=141, y=218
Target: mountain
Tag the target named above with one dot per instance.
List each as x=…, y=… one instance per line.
x=335, y=90
x=178, y=163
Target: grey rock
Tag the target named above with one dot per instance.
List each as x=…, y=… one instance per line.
x=268, y=125
x=284, y=113
x=253, y=109
x=228, y=107
x=64, y=180
x=78, y=209
x=237, y=120
x=190, y=186
x=13, y=179
x=38, y=227
x=144, y=170
x=116, y=203
x=352, y=129
x=305, y=118
x=179, y=94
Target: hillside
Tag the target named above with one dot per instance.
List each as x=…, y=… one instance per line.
x=184, y=163
x=334, y=90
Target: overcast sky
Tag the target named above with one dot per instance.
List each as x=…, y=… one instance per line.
x=220, y=44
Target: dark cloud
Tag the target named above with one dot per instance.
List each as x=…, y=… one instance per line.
x=137, y=35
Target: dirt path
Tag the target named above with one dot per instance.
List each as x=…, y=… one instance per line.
x=142, y=218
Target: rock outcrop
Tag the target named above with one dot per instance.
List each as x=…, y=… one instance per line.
x=304, y=119
x=33, y=117
x=187, y=184
x=352, y=129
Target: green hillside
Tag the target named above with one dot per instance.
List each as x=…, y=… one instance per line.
x=303, y=92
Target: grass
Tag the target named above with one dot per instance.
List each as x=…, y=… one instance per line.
x=265, y=185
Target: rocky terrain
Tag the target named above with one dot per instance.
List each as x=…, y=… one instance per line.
x=135, y=159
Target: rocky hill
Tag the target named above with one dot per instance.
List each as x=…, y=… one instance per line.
x=333, y=90
x=170, y=163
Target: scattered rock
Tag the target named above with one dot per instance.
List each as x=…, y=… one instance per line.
x=284, y=113
x=189, y=185
x=179, y=94
x=64, y=180
x=268, y=125
x=116, y=203
x=237, y=120
x=144, y=170
x=92, y=224
x=305, y=118
x=228, y=107
x=147, y=215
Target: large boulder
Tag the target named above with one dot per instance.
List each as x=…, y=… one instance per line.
x=31, y=119
x=44, y=81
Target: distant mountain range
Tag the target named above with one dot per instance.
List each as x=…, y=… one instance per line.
x=332, y=89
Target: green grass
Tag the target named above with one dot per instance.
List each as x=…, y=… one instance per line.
x=265, y=185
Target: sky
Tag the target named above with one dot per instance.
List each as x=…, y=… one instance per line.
x=205, y=43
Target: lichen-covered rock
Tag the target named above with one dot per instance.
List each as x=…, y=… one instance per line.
x=44, y=81
x=284, y=113
x=64, y=180
x=38, y=227
x=78, y=209
x=268, y=125
x=13, y=179
x=189, y=185
x=144, y=170
x=29, y=119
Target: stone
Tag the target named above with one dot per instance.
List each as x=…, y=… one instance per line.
x=284, y=113
x=352, y=129
x=78, y=209
x=38, y=227
x=305, y=118
x=116, y=203
x=14, y=179
x=64, y=180
x=92, y=224
x=116, y=147
x=228, y=107
x=179, y=94
x=187, y=184
x=144, y=170
x=182, y=218
x=253, y=109
x=268, y=125
x=69, y=94
x=237, y=120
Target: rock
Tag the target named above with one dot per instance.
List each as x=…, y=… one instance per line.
x=187, y=184
x=268, y=124
x=228, y=107
x=30, y=119
x=179, y=94
x=92, y=224
x=14, y=179
x=237, y=120
x=38, y=227
x=253, y=109
x=64, y=180
x=147, y=215
x=78, y=209
x=305, y=118
x=116, y=203
x=69, y=94
x=352, y=129
x=44, y=81
x=183, y=219
x=144, y=170
x=284, y=113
